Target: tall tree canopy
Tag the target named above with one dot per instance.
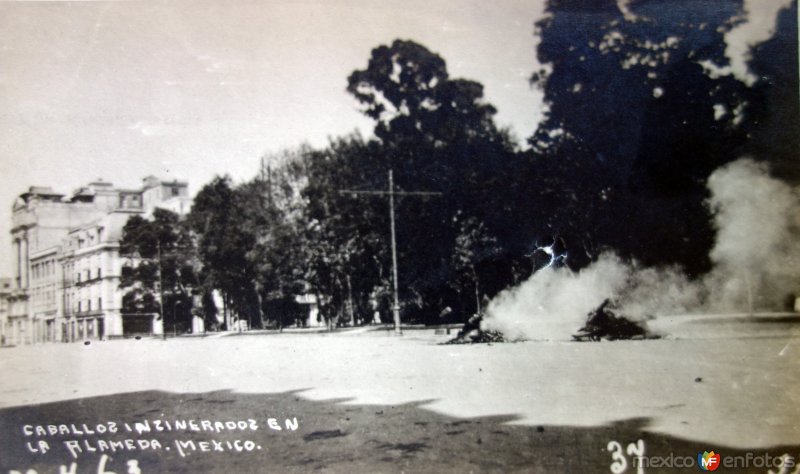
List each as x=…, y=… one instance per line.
x=774, y=65
x=219, y=219
x=638, y=116
x=159, y=250
x=436, y=133
x=406, y=89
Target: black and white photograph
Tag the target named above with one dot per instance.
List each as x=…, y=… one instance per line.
x=419, y=236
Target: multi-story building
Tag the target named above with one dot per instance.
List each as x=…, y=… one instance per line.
x=67, y=262
x=5, y=292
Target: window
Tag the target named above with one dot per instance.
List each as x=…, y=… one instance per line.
x=99, y=303
x=79, y=306
x=88, y=305
x=99, y=273
x=176, y=192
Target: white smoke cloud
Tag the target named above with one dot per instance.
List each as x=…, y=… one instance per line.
x=757, y=250
x=552, y=303
x=756, y=262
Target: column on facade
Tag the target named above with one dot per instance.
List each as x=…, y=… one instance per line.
x=59, y=292
x=18, y=263
x=26, y=261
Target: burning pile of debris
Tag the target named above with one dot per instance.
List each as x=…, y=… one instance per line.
x=472, y=333
x=603, y=323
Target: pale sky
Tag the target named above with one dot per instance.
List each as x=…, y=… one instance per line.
x=179, y=89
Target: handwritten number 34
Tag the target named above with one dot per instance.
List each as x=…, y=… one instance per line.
x=619, y=462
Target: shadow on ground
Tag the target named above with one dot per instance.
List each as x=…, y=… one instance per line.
x=331, y=436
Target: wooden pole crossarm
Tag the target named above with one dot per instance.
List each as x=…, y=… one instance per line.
x=386, y=193
x=392, y=194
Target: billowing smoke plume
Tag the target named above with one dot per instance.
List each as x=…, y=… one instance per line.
x=757, y=252
x=756, y=262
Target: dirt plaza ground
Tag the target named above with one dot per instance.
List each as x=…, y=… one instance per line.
x=368, y=401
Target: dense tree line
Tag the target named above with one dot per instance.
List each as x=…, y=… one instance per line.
x=639, y=112
x=639, y=116
x=160, y=270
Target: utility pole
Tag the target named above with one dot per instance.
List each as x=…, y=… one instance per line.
x=161, y=293
x=396, y=305
x=350, y=301
x=392, y=193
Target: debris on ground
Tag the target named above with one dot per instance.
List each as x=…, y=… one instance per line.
x=472, y=333
x=603, y=323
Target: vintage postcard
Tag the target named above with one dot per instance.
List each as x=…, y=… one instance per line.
x=410, y=236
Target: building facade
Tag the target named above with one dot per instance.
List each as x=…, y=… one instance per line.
x=5, y=292
x=66, y=259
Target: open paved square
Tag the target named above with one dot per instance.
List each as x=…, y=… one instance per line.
x=367, y=401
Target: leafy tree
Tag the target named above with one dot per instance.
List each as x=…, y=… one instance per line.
x=407, y=91
x=274, y=213
x=636, y=121
x=345, y=238
x=437, y=134
x=159, y=251
x=219, y=220
x=473, y=247
x=776, y=95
